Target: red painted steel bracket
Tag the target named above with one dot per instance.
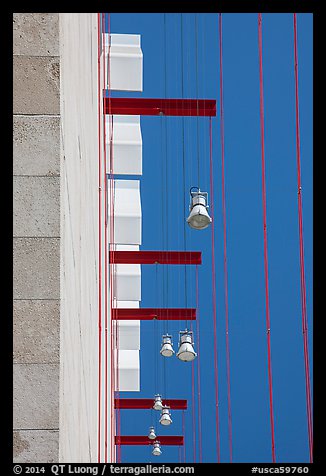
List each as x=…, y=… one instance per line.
x=160, y=107
x=148, y=314
x=155, y=257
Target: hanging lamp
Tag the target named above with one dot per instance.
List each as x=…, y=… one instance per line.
x=165, y=416
x=167, y=349
x=156, y=449
x=158, y=405
x=151, y=434
x=198, y=218
x=186, y=351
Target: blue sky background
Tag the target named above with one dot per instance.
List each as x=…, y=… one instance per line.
x=162, y=195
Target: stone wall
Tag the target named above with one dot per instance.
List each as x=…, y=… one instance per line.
x=36, y=232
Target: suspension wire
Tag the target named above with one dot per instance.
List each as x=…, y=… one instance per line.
x=214, y=289
x=161, y=324
x=268, y=322
x=178, y=171
x=188, y=130
x=198, y=369
x=166, y=167
x=183, y=167
x=184, y=435
x=193, y=408
x=99, y=243
x=197, y=97
x=204, y=93
x=302, y=266
x=165, y=325
x=226, y=300
x=156, y=339
x=193, y=403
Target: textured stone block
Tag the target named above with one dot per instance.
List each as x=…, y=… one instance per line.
x=36, y=206
x=36, y=446
x=36, y=268
x=36, y=85
x=36, y=34
x=36, y=396
x=36, y=331
x=36, y=145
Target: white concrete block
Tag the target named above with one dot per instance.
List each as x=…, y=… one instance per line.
x=127, y=212
x=126, y=62
x=127, y=144
x=128, y=361
x=127, y=282
x=128, y=330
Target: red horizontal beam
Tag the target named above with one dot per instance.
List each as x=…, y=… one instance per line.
x=144, y=440
x=155, y=257
x=147, y=314
x=160, y=107
x=147, y=403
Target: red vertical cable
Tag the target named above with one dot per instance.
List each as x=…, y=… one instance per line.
x=214, y=288
x=99, y=96
x=226, y=300
x=112, y=433
x=112, y=349
x=198, y=371
x=268, y=322
x=105, y=271
x=302, y=269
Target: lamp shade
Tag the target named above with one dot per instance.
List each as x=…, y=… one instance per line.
x=156, y=449
x=167, y=349
x=165, y=417
x=151, y=434
x=198, y=218
x=186, y=351
x=158, y=405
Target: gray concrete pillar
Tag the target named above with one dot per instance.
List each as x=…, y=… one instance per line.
x=36, y=233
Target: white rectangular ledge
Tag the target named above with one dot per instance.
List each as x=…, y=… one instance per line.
x=127, y=211
x=127, y=144
x=128, y=365
x=126, y=62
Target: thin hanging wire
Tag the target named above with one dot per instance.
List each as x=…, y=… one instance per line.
x=183, y=167
x=184, y=435
x=188, y=122
x=166, y=169
x=197, y=97
x=156, y=336
x=166, y=197
x=302, y=267
x=198, y=369
x=203, y=69
x=268, y=322
x=214, y=291
x=226, y=300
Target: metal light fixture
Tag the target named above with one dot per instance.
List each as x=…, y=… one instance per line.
x=158, y=405
x=165, y=416
x=198, y=218
x=186, y=351
x=151, y=434
x=167, y=349
x=156, y=449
